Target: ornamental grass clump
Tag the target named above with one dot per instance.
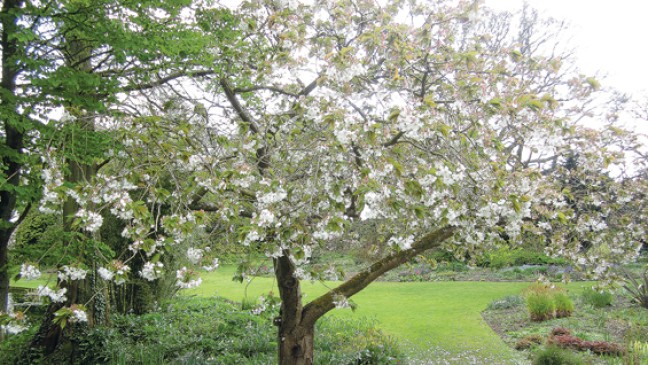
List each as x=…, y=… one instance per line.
x=598, y=299
x=540, y=303
x=541, y=306
x=564, y=304
x=545, y=302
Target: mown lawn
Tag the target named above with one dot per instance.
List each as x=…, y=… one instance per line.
x=444, y=315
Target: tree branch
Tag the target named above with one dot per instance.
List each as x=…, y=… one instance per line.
x=320, y=306
x=163, y=80
x=275, y=89
x=394, y=140
x=236, y=104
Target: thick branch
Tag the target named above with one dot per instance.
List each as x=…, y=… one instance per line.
x=320, y=306
x=236, y=104
x=394, y=140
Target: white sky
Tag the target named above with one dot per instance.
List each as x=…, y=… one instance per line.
x=609, y=36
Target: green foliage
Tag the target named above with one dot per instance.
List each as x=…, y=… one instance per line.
x=564, y=304
x=638, y=288
x=39, y=239
x=506, y=256
x=214, y=331
x=509, y=301
x=596, y=298
x=553, y=355
x=342, y=341
x=540, y=305
x=545, y=302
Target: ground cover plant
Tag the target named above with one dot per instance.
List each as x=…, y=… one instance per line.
x=195, y=330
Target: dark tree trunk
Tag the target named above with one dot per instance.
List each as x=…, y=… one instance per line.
x=14, y=138
x=295, y=335
x=4, y=266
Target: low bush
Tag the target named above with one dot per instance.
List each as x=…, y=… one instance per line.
x=553, y=355
x=563, y=338
x=560, y=331
x=510, y=301
x=598, y=299
x=505, y=256
x=596, y=347
x=212, y=331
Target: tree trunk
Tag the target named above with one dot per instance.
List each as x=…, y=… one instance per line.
x=14, y=139
x=4, y=273
x=296, y=346
x=296, y=336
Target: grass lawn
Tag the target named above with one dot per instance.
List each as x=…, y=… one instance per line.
x=445, y=315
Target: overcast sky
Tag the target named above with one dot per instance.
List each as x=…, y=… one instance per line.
x=610, y=36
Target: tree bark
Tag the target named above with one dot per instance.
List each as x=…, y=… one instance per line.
x=14, y=139
x=296, y=338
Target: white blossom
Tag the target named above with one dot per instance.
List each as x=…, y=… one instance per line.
x=186, y=280
x=151, y=271
x=29, y=272
x=194, y=255
x=272, y=197
x=266, y=218
x=341, y=302
x=213, y=266
x=78, y=315
x=105, y=273
x=56, y=296
x=13, y=328
x=90, y=221
x=72, y=273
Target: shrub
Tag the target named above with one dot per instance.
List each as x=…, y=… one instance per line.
x=212, y=331
x=598, y=299
x=510, y=301
x=342, y=341
x=38, y=239
x=553, y=355
x=564, y=305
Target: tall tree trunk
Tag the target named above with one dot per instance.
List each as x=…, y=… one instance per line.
x=85, y=291
x=14, y=139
